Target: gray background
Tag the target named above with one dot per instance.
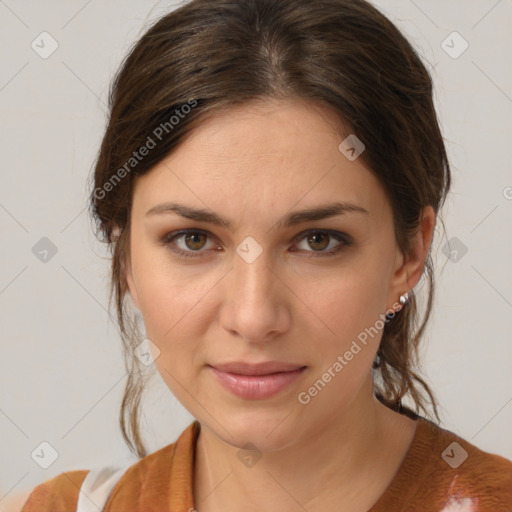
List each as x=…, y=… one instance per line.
x=61, y=368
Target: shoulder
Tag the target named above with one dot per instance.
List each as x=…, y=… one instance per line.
x=461, y=474
x=147, y=483
x=147, y=479
x=62, y=492
x=163, y=477
x=58, y=494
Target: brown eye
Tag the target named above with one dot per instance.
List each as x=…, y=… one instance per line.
x=187, y=243
x=318, y=241
x=193, y=241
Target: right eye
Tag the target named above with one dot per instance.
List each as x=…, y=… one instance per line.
x=189, y=238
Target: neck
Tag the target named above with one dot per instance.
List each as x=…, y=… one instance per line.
x=349, y=460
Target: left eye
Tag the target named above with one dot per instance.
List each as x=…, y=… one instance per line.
x=320, y=240
x=317, y=239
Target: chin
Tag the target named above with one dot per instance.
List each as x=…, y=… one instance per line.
x=269, y=430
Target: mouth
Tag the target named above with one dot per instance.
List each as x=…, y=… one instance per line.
x=264, y=368
x=259, y=381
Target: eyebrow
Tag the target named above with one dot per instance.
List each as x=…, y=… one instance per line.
x=290, y=219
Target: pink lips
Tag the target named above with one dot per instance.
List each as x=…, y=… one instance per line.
x=256, y=381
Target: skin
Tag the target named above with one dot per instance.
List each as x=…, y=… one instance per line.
x=254, y=164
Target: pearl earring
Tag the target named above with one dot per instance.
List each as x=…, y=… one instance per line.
x=405, y=298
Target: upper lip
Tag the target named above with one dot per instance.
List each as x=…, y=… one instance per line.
x=265, y=368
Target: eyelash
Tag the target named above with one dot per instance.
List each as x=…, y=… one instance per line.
x=169, y=238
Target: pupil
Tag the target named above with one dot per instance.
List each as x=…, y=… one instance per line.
x=315, y=239
x=193, y=236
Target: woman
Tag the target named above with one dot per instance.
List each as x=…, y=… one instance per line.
x=269, y=183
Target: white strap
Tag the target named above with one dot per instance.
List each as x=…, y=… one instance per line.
x=97, y=486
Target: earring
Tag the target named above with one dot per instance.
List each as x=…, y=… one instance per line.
x=405, y=297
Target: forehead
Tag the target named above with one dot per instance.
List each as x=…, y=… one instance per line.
x=266, y=154
x=268, y=128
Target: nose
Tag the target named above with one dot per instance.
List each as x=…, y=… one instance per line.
x=255, y=305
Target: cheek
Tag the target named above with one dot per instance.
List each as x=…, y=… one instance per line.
x=352, y=314
x=164, y=308
x=351, y=304
x=176, y=317
x=169, y=296
x=345, y=354
x=170, y=314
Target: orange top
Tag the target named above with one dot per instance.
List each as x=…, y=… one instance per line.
x=440, y=473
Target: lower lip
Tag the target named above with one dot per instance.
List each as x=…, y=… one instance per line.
x=256, y=387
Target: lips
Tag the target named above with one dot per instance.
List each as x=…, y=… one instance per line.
x=256, y=381
x=265, y=368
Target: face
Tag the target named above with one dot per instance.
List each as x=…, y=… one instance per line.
x=266, y=285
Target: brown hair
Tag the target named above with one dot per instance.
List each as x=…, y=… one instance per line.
x=209, y=55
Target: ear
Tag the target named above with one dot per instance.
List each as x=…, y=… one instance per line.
x=409, y=269
x=131, y=283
